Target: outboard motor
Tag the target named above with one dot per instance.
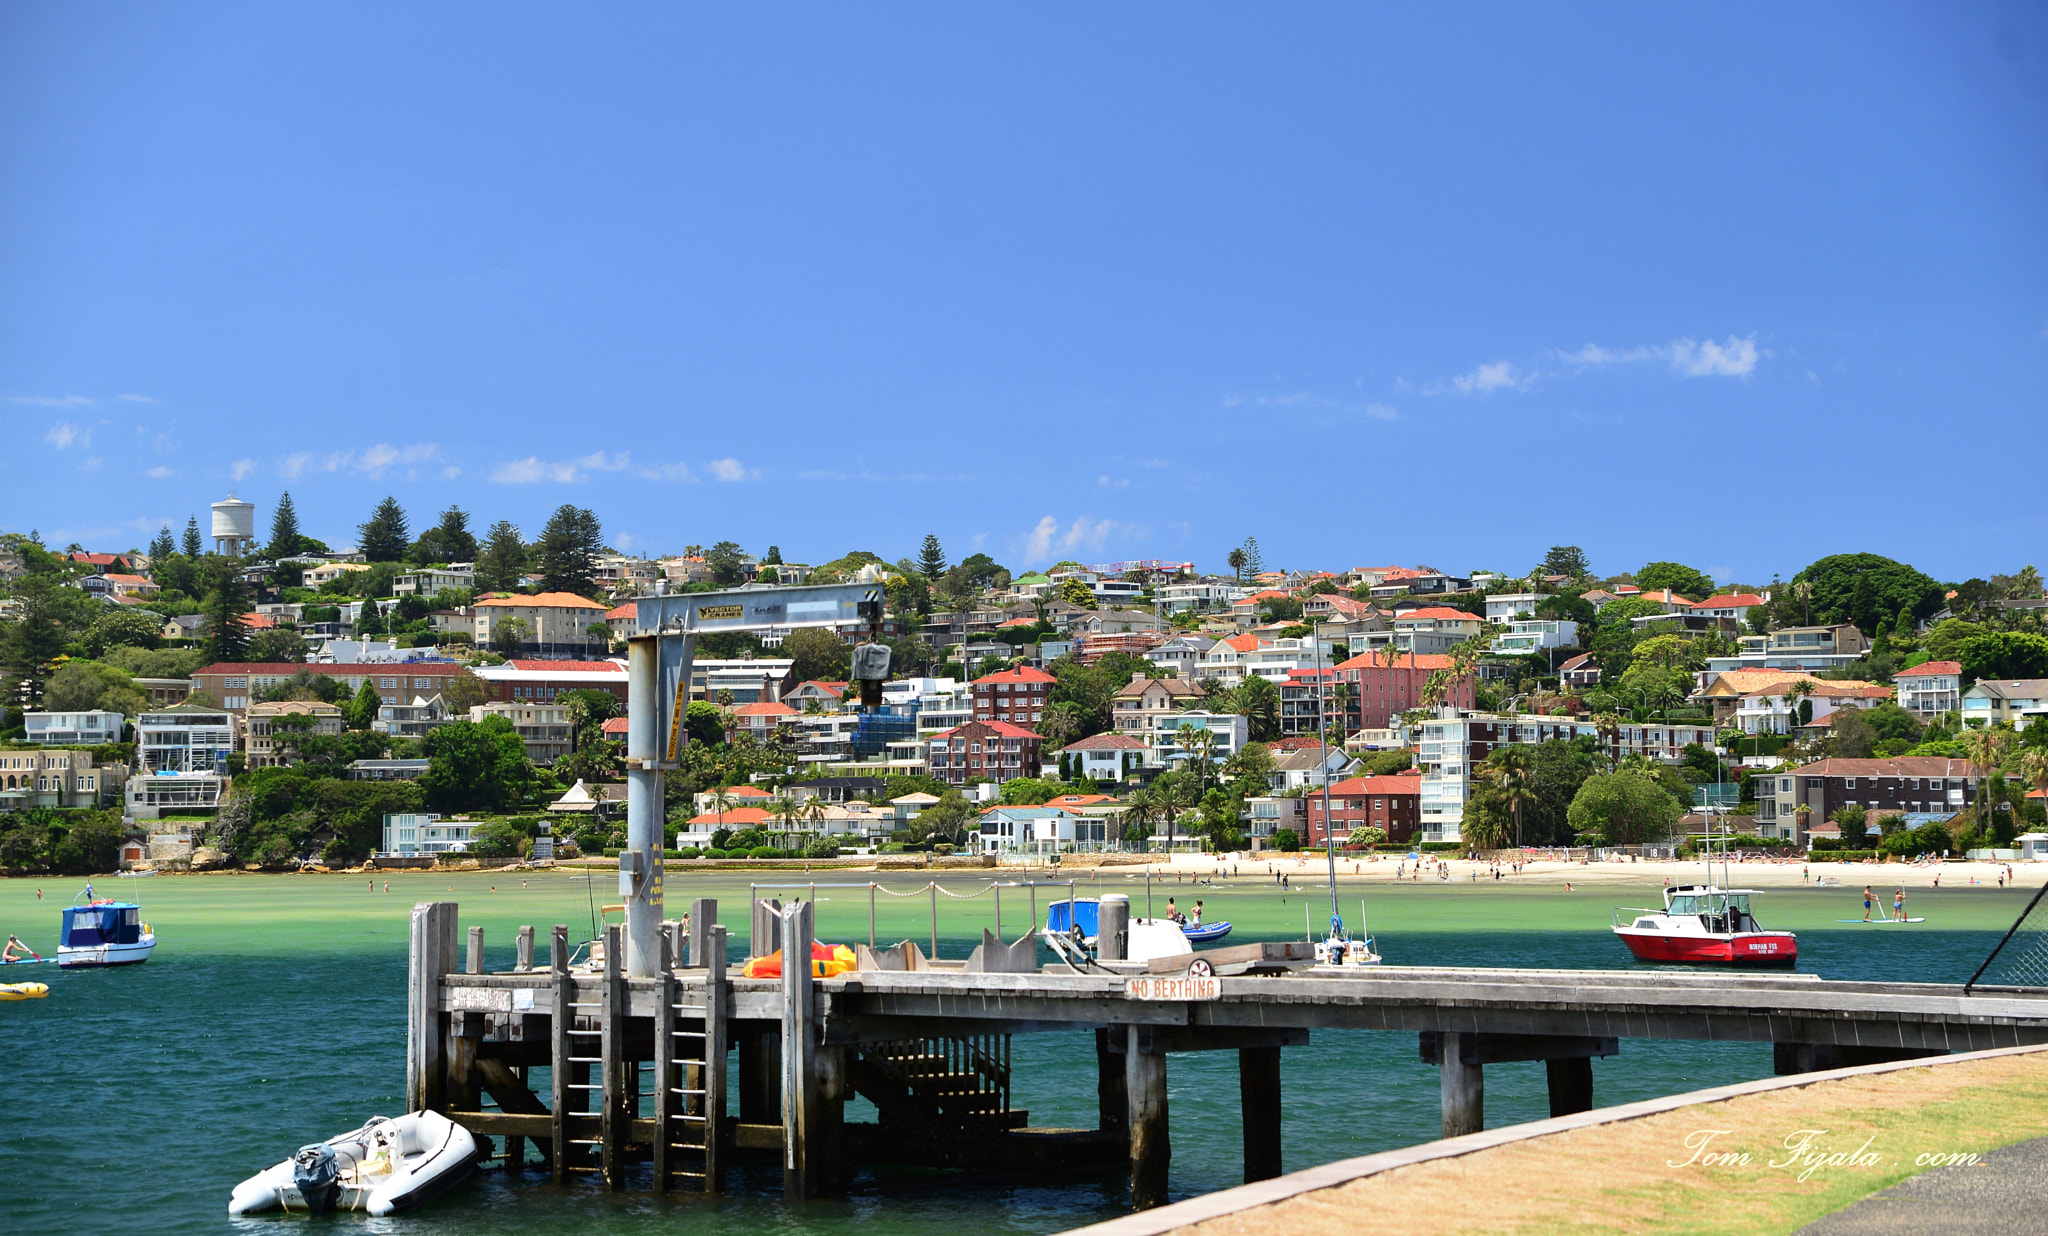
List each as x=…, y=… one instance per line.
x=317, y=1176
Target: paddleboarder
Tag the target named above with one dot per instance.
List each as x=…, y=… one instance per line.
x=1899, y=906
x=14, y=942
x=1868, y=900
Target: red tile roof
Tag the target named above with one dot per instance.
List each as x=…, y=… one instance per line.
x=353, y=670
x=1017, y=622
x=630, y=609
x=1352, y=787
x=569, y=667
x=1899, y=766
x=1002, y=729
x=1105, y=742
x=741, y=816
x=258, y=622
x=1243, y=643
x=1441, y=613
x=1406, y=660
x=543, y=600
x=1022, y=673
x=1735, y=600
x=614, y=725
x=765, y=708
x=1928, y=669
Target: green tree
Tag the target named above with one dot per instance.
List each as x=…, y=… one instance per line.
x=1623, y=808
x=570, y=546
x=227, y=637
x=509, y=635
x=1076, y=592
x=931, y=560
x=475, y=766
x=502, y=560
x=1678, y=577
x=284, y=528
x=362, y=711
x=162, y=547
x=945, y=820
x=817, y=654
x=2004, y=654
x=727, y=562
x=1865, y=589
x=277, y=646
x=1568, y=561
x=1257, y=700
x=123, y=627
x=1512, y=768
x=447, y=541
x=383, y=537
x=86, y=686
x=1237, y=559
x=193, y=546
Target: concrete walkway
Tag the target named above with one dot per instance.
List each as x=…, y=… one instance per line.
x=1997, y=1197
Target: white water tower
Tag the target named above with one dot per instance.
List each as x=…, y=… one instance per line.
x=234, y=526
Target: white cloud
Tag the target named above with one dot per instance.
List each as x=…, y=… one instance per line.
x=1047, y=537
x=293, y=466
x=1593, y=355
x=1735, y=359
x=667, y=472
x=64, y=433
x=242, y=467
x=450, y=472
x=1488, y=378
x=52, y=401
x=135, y=398
x=567, y=471
x=1381, y=411
x=373, y=462
x=92, y=464
x=1113, y=482
x=159, y=472
x=732, y=470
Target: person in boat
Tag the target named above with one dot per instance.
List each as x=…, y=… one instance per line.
x=13, y=943
x=1196, y=917
x=1867, y=901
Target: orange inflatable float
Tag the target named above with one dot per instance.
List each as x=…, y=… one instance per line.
x=827, y=961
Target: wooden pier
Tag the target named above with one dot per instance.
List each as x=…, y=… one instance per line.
x=638, y=1066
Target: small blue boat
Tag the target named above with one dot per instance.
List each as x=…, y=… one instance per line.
x=1062, y=915
x=104, y=933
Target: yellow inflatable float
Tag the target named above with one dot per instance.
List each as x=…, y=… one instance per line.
x=23, y=991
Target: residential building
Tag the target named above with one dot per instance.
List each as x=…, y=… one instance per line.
x=1797, y=648
x=408, y=833
x=425, y=714
x=269, y=743
x=624, y=620
x=1107, y=591
x=1581, y=672
x=1736, y=605
x=1166, y=741
x=748, y=679
x=1105, y=757
x=386, y=770
x=837, y=789
x=551, y=624
x=1532, y=636
x=1181, y=655
x=149, y=795
x=1181, y=598
x=525, y=682
x=1267, y=814
x=1224, y=660
x=1433, y=629
x=1783, y=707
x=1018, y=696
x=55, y=778
x=1115, y=622
x=1725, y=690
x=1931, y=688
x=137, y=586
x=427, y=581
x=232, y=682
x=460, y=620
x=983, y=751
x=823, y=695
x=1386, y=684
x=1454, y=744
x=762, y=718
x=1391, y=804
x=1907, y=784
x=327, y=573
x=2018, y=701
x=1138, y=701
x=702, y=829
x=1041, y=830
x=184, y=627
x=74, y=729
x=1302, y=768
x=544, y=728
x=1504, y=606
x=1093, y=648
x=620, y=575
x=732, y=796
x=185, y=738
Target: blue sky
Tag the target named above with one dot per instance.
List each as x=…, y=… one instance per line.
x=1739, y=285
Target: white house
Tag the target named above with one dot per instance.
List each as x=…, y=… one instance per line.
x=1930, y=688
x=74, y=729
x=410, y=832
x=1532, y=635
x=1164, y=740
x=1503, y=606
x=1104, y=757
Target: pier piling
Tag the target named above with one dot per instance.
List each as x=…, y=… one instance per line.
x=525, y=949
x=1151, y=1150
x=1258, y=1084
x=1463, y=1086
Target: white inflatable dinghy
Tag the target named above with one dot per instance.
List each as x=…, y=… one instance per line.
x=384, y=1167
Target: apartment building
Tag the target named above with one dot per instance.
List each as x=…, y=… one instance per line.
x=1797, y=648
x=1783, y=707
x=1433, y=629
x=983, y=751
x=1017, y=696
x=55, y=778
x=529, y=682
x=74, y=729
x=1391, y=804
x=1133, y=707
x=185, y=738
x=271, y=743
x=425, y=714
x=1930, y=689
x=427, y=581
x=544, y=728
x=1167, y=737
x=1792, y=804
x=550, y=624
x=2019, y=702
x=233, y=682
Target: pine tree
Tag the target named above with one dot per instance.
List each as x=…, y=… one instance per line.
x=569, y=549
x=284, y=528
x=931, y=560
x=503, y=559
x=162, y=547
x=361, y=711
x=383, y=538
x=455, y=538
x=193, y=545
x=226, y=638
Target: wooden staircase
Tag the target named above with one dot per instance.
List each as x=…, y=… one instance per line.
x=940, y=1085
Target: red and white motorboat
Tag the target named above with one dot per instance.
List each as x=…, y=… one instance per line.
x=1704, y=924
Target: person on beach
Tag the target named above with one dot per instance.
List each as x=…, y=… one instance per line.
x=13, y=943
x=1867, y=899
x=1899, y=906
x=1937, y=878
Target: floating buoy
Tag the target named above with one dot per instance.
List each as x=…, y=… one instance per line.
x=23, y=991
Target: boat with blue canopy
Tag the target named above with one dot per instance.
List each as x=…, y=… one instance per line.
x=1062, y=916
x=103, y=932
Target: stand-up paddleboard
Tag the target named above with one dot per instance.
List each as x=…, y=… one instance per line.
x=1880, y=922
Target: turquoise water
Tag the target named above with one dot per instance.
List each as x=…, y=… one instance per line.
x=272, y=1014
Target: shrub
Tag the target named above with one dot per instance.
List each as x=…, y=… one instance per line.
x=764, y=851
x=1286, y=840
x=822, y=847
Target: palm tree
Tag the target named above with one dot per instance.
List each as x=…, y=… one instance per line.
x=721, y=798
x=1986, y=748
x=1140, y=813
x=1340, y=699
x=1170, y=798
x=1200, y=744
x=2034, y=767
x=1512, y=767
